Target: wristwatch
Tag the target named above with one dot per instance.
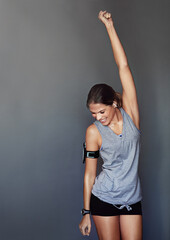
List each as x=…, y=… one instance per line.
x=84, y=211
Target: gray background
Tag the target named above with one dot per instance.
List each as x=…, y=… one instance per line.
x=51, y=53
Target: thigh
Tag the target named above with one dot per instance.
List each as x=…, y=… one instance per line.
x=131, y=227
x=107, y=227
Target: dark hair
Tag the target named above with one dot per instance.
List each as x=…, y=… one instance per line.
x=103, y=93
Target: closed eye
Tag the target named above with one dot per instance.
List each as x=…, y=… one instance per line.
x=101, y=112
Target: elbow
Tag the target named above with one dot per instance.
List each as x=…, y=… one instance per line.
x=124, y=67
x=89, y=179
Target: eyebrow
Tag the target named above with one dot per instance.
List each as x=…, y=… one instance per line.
x=99, y=111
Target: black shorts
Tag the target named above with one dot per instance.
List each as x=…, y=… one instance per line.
x=100, y=208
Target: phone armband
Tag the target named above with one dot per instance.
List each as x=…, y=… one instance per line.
x=89, y=154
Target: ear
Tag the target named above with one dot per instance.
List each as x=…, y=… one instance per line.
x=114, y=104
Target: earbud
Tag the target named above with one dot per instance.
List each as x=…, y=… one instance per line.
x=115, y=105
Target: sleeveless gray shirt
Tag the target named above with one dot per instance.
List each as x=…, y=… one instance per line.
x=118, y=182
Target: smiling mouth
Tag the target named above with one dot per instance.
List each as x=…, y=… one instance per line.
x=103, y=120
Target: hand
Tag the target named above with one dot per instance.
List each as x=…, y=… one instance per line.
x=85, y=225
x=106, y=18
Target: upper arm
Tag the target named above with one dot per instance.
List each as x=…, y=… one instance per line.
x=129, y=96
x=91, y=145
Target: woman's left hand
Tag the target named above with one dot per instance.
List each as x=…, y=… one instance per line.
x=106, y=18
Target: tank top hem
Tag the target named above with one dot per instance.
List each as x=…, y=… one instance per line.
x=118, y=202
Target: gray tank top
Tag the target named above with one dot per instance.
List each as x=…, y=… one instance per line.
x=118, y=182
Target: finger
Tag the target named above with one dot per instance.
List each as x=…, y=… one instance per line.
x=82, y=230
x=101, y=13
x=107, y=15
x=89, y=230
x=86, y=230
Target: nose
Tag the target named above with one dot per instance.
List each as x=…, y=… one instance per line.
x=98, y=117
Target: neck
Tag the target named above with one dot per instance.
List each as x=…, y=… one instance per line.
x=117, y=117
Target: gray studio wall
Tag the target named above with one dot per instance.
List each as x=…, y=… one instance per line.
x=51, y=53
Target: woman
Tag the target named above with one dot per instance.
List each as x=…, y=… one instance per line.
x=114, y=197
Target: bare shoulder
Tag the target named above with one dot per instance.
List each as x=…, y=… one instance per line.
x=92, y=137
x=92, y=129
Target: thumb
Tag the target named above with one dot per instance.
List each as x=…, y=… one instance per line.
x=89, y=229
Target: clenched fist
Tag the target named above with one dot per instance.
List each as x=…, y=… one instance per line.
x=106, y=18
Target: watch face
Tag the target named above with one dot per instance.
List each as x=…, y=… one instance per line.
x=82, y=211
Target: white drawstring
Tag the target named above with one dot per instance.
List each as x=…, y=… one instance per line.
x=122, y=206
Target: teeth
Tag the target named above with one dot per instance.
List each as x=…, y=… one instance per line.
x=103, y=120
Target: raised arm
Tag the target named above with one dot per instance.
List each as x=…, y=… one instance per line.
x=129, y=96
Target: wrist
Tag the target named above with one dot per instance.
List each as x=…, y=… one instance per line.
x=109, y=26
x=85, y=212
x=86, y=217
x=110, y=29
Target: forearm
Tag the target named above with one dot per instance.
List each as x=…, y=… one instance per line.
x=88, y=184
x=85, y=224
x=118, y=51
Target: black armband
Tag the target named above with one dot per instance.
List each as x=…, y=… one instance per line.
x=89, y=154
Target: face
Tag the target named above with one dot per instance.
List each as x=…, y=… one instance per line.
x=101, y=112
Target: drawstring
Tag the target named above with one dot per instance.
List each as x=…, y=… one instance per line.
x=122, y=206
